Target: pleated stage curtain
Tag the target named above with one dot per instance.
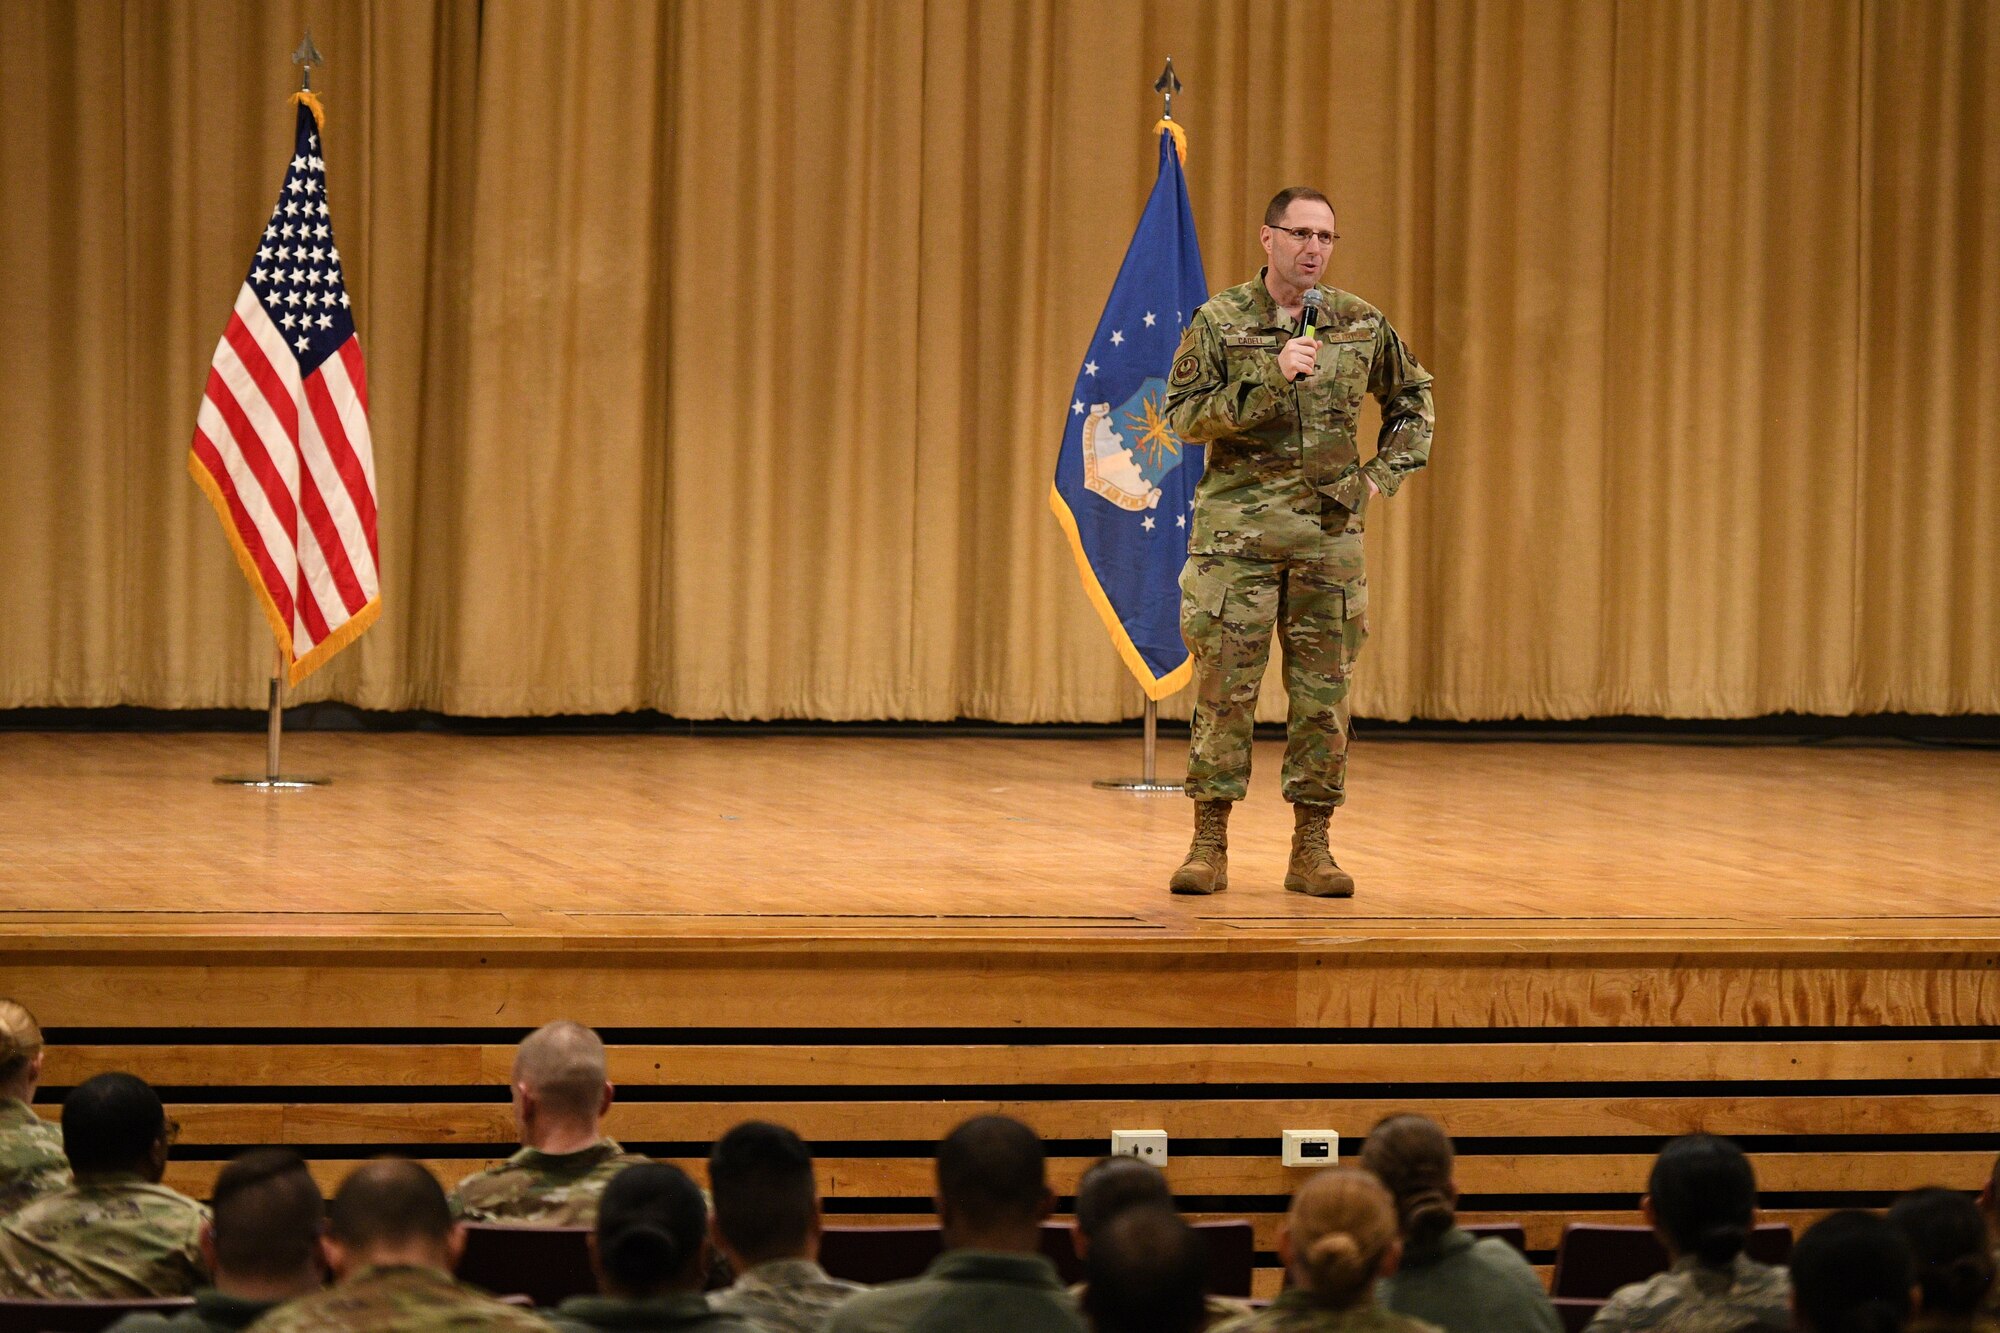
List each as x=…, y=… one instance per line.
x=718, y=350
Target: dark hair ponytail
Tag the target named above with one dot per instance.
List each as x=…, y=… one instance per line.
x=1948, y=1237
x=649, y=1230
x=1704, y=1196
x=1411, y=1155
x=1851, y=1273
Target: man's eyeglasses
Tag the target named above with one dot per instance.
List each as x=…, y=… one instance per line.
x=1304, y=234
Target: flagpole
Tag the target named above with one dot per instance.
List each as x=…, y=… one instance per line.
x=274, y=727
x=1148, y=782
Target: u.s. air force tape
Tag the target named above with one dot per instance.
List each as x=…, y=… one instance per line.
x=1186, y=369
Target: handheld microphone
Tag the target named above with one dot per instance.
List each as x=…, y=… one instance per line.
x=1308, y=321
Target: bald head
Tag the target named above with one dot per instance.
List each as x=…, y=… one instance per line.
x=391, y=1211
x=561, y=1068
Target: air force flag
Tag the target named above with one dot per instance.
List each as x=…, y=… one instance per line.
x=1125, y=483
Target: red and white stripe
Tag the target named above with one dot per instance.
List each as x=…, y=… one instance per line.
x=292, y=463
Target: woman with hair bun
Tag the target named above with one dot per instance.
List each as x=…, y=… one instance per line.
x=1338, y=1239
x=1853, y=1273
x=1447, y=1278
x=1955, y=1268
x=650, y=1251
x=1702, y=1201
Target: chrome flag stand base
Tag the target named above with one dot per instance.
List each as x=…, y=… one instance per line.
x=271, y=779
x=1148, y=784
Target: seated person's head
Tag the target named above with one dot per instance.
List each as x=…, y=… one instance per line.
x=1852, y=1273
x=993, y=1189
x=391, y=1211
x=1412, y=1157
x=264, y=1239
x=766, y=1205
x=560, y=1085
x=1339, y=1236
x=1702, y=1199
x=652, y=1232
x=1145, y=1273
x=1109, y=1186
x=114, y=1124
x=1953, y=1252
x=20, y=1052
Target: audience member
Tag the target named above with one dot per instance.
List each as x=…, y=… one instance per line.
x=560, y=1096
x=993, y=1196
x=1111, y=1185
x=1702, y=1200
x=1338, y=1240
x=391, y=1245
x=651, y=1255
x=1852, y=1273
x=1446, y=1277
x=263, y=1246
x=1954, y=1257
x=767, y=1223
x=1989, y=1206
x=31, y=1155
x=1144, y=1273
x=116, y=1233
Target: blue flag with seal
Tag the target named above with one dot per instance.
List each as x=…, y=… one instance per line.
x=1124, y=485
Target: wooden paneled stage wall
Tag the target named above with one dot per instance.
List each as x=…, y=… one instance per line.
x=1848, y=1077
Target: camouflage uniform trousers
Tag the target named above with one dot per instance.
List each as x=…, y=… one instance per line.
x=1229, y=607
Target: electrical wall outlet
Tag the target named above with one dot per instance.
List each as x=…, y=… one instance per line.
x=1311, y=1147
x=1148, y=1145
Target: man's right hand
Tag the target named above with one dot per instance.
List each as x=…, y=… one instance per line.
x=1297, y=357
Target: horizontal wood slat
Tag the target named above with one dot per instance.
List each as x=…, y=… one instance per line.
x=1613, y=1173
x=924, y=1122
x=865, y=1064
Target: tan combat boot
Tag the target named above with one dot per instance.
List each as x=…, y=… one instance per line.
x=1313, y=870
x=1206, y=869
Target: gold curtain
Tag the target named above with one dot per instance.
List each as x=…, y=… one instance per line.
x=718, y=350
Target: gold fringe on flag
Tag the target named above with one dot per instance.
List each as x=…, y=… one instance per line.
x=309, y=99
x=1172, y=127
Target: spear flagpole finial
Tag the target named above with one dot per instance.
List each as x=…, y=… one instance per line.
x=1166, y=86
x=306, y=57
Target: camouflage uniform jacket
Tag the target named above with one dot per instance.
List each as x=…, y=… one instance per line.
x=1692, y=1297
x=784, y=1295
x=977, y=1291
x=398, y=1299
x=31, y=1156
x=1297, y=1311
x=108, y=1237
x=584, y=1314
x=539, y=1189
x=1277, y=452
x=213, y=1312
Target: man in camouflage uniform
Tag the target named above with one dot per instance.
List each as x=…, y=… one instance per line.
x=31, y=1156
x=1276, y=540
x=117, y=1233
x=392, y=1246
x=767, y=1224
x=263, y=1246
x=560, y=1096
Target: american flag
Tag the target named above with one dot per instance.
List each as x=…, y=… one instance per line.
x=281, y=443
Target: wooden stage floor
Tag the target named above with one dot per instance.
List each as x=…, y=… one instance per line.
x=653, y=841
